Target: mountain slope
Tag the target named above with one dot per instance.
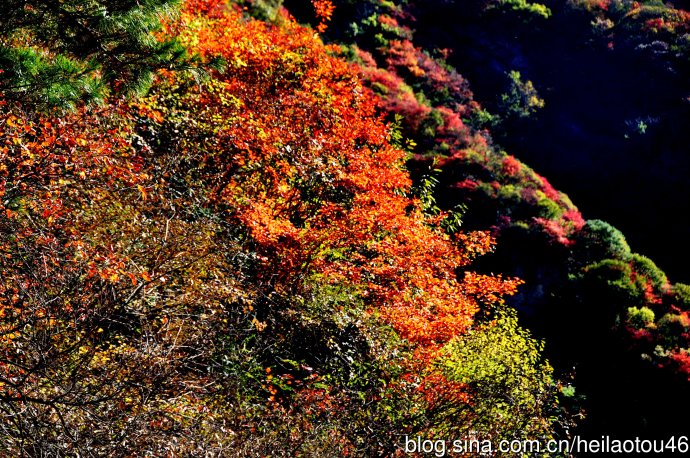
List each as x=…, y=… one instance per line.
x=236, y=266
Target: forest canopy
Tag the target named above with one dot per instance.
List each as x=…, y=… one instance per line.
x=227, y=230
x=239, y=266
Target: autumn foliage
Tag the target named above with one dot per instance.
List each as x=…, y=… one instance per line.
x=223, y=265
x=581, y=278
x=315, y=180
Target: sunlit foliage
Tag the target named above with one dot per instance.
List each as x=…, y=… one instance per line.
x=64, y=53
x=234, y=267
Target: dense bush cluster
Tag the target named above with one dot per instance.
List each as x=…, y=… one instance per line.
x=291, y=250
x=573, y=268
x=239, y=267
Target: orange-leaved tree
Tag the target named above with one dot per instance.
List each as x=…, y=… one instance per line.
x=286, y=143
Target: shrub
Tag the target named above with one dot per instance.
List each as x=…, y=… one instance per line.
x=672, y=326
x=599, y=240
x=615, y=277
x=640, y=317
x=681, y=293
x=522, y=99
x=646, y=267
x=500, y=363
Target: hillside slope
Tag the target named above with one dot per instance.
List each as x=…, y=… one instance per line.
x=582, y=279
x=237, y=266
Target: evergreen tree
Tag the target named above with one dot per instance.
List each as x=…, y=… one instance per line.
x=62, y=52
